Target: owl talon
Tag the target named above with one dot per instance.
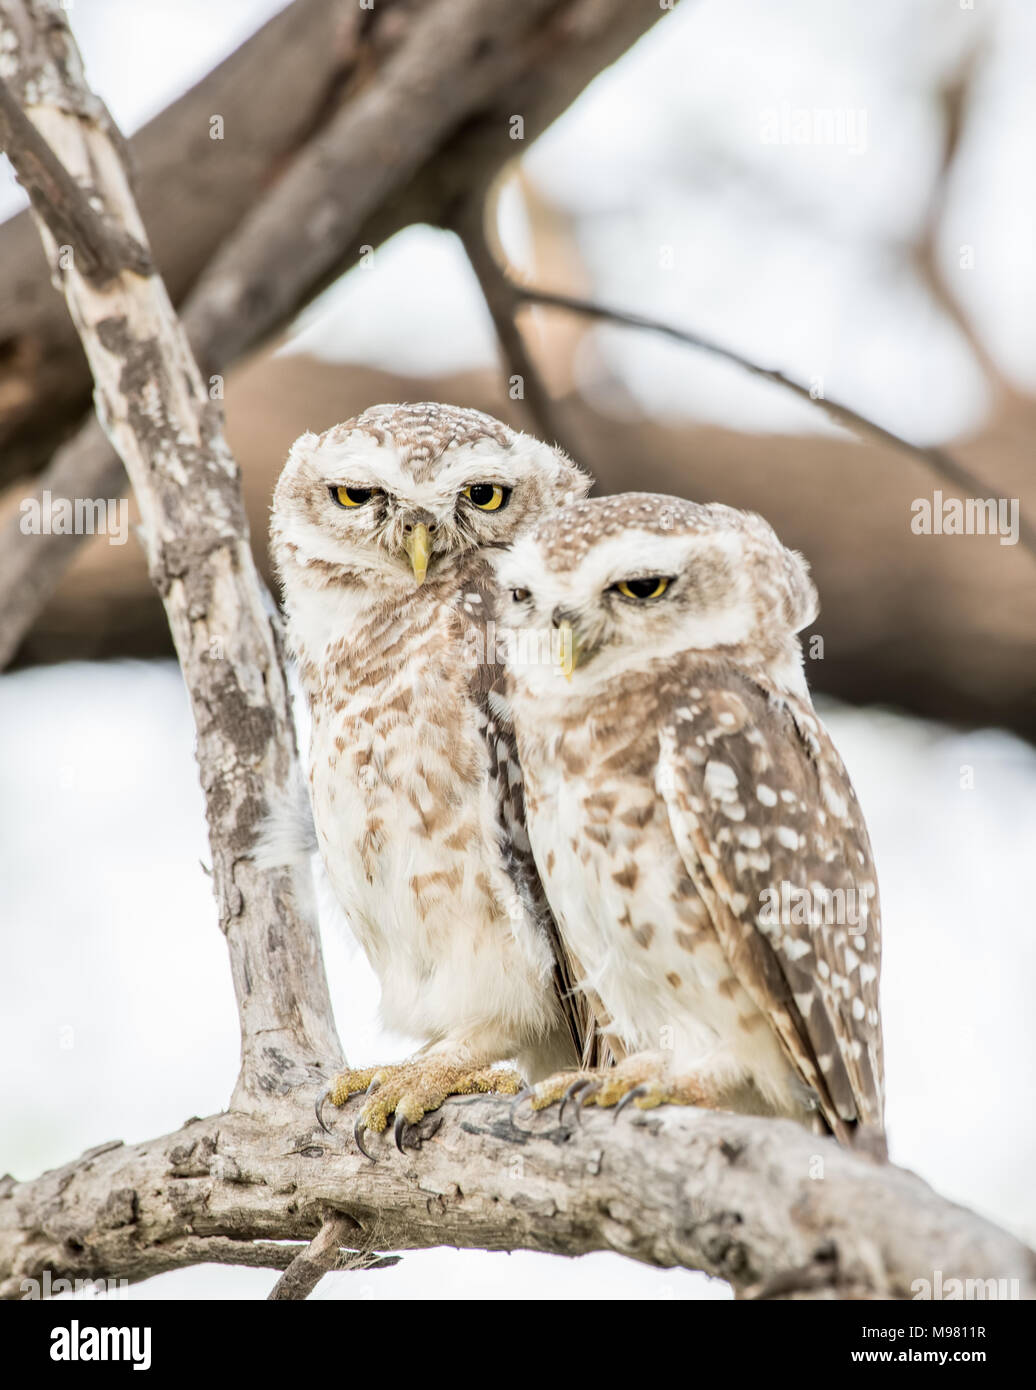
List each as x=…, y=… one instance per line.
x=587, y=1097
x=575, y=1092
x=516, y=1104
x=359, y=1130
x=400, y=1132
x=321, y=1101
x=629, y=1098
x=409, y=1091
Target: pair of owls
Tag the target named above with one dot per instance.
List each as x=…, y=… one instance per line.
x=568, y=785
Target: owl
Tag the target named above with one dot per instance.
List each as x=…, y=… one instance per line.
x=697, y=835
x=381, y=532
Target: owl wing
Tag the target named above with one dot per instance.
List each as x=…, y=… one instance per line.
x=487, y=689
x=771, y=834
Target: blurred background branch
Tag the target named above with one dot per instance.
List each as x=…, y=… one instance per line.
x=383, y=135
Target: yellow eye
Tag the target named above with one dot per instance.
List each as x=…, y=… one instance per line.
x=488, y=497
x=643, y=588
x=352, y=496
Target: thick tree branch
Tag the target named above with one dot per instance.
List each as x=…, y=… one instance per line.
x=103, y=251
x=158, y=415
x=454, y=57
x=761, y=1203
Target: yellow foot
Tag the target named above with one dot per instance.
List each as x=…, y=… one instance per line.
x=639, y=1081
x=409, y=1091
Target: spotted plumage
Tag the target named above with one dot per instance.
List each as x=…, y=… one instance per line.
x=381, y=530
x=699, y=840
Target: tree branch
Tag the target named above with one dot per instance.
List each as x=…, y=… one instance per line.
x=31, y=566
x=761, y=1203
x=938, y=460
x=158, y=415
x=327, y=1251
x=474, y=222
x=103, y=251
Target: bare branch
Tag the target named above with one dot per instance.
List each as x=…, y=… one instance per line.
x=938, y=460
x=474, y=223
x=192, y=188
x=954, y=97
x=321, y=1255
x=454, y=58
x=330, y=1249
x=102, y=251
x=159, y=417
x=776, y=1211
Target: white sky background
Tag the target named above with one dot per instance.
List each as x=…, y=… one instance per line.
x=794, y=254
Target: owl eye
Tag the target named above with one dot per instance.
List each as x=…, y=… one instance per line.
x=519, y=595
x=352, y=496
x=488, y=497
x=642, y=588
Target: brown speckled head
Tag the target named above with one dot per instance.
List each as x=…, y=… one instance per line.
x=566, y=537
x=412, y=465
x=638, y=574
x=421, y=433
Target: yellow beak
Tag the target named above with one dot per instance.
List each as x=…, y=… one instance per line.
x=418, y=548
x=570, y=651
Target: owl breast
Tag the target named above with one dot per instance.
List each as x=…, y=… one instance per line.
x=628, y=909
x=408, y=823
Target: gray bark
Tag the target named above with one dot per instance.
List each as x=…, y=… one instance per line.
x=761, y=1203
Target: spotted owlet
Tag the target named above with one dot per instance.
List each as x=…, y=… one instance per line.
x=696, y=832
x=380, y=534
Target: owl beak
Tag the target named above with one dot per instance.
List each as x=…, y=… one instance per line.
x=418, y=548
x=571, y=651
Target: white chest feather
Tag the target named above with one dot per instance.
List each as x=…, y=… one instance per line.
x=631, y=917
x=407, y=821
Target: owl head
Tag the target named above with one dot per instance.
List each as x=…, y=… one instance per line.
x=393, y=494
x=617, y=582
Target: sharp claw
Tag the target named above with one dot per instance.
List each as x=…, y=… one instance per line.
x=584, y=1098
x=359, y=1129
x=628, y=1098
x=400, y=1133
x=519, y=1098
x=578, y=1085
x=319, y=1108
